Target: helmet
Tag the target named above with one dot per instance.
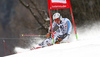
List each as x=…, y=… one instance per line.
x=56, y=15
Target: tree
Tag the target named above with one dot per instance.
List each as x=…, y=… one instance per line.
x=40, y=17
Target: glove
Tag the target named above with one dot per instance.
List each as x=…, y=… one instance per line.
x=60, y=38
x=48, y=35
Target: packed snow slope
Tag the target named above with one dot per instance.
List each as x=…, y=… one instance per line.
x=87, y=45
x=87, y=48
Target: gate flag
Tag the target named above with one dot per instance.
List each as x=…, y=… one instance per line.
x=59, y=4
x=59, y=1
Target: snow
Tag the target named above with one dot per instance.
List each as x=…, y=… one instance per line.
x=87, y=45
x=86, y=48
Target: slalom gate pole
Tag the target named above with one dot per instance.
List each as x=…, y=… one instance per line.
x=73, y=22
x=6, y=47
x=51, y=26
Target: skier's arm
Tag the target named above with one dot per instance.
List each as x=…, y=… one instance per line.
x=53, y=26
x=67, y=25
x=49, y=31
x=67, y=29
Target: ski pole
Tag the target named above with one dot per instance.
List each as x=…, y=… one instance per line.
x=34, y=35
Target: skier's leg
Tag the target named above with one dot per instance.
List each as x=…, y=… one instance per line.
x=49, y=41
x=46, y=42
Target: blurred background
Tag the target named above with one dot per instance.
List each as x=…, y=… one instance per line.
x=28, y=17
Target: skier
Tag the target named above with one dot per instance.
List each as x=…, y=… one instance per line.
x=61, y=34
